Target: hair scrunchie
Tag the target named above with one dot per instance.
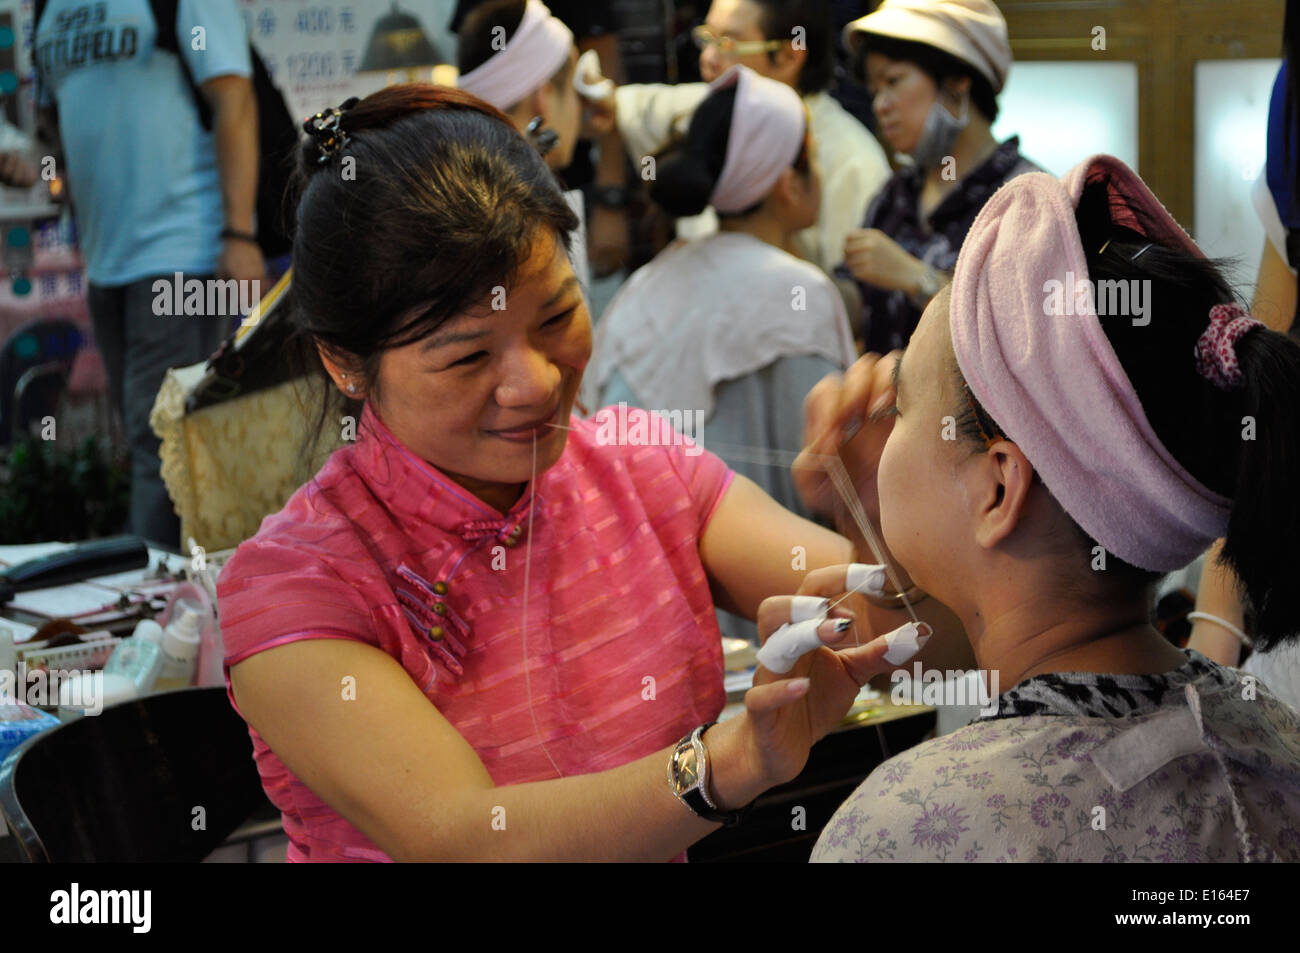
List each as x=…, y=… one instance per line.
x=1216, y=350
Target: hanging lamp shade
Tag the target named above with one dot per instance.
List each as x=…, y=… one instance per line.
x=398, y=42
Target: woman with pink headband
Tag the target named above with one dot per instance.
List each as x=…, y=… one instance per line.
x=521, y=58
x=1085, y=409
x=732, y=325
x=732, y=328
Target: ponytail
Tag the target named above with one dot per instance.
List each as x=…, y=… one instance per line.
x=1262, y=546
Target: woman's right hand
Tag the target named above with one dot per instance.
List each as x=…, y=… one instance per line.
x=846, y=415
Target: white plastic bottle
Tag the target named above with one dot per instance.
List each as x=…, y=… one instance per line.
x=140, y=657
x=180, y=646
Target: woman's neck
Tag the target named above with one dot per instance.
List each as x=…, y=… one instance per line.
x=973, y=145
x=762, y=225
x=1035, y=635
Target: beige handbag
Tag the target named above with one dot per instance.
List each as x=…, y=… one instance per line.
x=229, y=465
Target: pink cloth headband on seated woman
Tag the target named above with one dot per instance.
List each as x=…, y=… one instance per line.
x=1053, y=382
x=534, y=54
x=767, y=132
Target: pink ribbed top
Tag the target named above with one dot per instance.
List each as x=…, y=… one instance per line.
x=617, y=593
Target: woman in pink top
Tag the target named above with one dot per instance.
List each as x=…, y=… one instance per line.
x=480, y=631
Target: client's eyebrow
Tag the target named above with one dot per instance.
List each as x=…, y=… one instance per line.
x=895, y=379
x=570, y=282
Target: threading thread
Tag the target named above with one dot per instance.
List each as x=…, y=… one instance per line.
x=528, y=566
x=843, y=485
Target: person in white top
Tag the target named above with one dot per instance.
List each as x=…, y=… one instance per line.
x=790, y=41
x=731, y=330
x=520, y=58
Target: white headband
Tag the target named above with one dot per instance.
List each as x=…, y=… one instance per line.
x=767, y=132
x=534, y=54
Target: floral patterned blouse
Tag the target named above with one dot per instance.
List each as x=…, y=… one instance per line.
x=1198, y=764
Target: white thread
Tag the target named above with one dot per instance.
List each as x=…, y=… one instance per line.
x=528, y=566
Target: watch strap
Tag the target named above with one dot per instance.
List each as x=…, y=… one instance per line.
x=696, y=797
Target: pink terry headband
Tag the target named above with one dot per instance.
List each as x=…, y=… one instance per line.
x=534, y=54
x=767, y=132
x=1052, y=381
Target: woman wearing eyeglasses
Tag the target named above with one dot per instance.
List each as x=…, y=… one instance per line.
x=933, y=69
x=792, y=42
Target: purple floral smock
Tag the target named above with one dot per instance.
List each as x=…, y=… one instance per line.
x=1198, y=764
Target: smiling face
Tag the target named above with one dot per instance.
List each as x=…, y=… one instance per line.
x=472, y=397
x=901, y=96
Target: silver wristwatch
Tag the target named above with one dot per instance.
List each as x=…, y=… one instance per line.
x=688, y=774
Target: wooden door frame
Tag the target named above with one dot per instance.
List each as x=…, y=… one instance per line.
x=1165, y=39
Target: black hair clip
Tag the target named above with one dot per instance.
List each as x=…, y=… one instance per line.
x=543, y=139
x=325, y=129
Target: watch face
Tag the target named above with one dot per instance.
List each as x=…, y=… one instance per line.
x=685, y=771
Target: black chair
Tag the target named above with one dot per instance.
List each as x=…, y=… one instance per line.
x=35, y=364
x=124, y=785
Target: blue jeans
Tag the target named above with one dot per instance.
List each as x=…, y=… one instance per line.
x=138, y=347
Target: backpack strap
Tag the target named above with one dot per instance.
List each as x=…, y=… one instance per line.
x=164, y=18
x=38, y=11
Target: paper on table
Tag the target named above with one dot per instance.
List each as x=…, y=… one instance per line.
x=22, y=632
x=65, y=602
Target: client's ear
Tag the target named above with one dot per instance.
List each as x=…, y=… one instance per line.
x=1007, y=478
x=789, y=189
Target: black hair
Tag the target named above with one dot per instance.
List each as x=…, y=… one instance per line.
x=442, y=204
x=687, y=171
x=937, y=64
x=485, y=28
x=1243, y=444
x=779, y=19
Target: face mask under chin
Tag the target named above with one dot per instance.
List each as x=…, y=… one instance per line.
x=940, y=132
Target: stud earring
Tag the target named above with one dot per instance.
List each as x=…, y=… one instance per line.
x=352, y=388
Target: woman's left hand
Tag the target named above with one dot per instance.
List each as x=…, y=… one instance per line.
x=786, y=729
x=876, y=259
